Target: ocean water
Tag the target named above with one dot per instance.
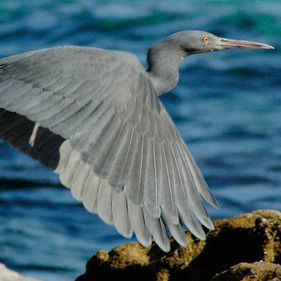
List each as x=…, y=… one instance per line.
x=227, y=106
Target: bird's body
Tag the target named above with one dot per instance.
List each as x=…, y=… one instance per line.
x=94, y=116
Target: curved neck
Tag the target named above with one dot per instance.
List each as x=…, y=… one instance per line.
x=162, y=60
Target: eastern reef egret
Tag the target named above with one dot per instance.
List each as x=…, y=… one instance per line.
x=94, y=116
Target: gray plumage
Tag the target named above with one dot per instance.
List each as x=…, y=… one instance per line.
x=94, y=116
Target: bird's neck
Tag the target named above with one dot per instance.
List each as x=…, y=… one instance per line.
x=162, y=60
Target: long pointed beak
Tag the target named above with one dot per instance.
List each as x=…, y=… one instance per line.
x=230, y=43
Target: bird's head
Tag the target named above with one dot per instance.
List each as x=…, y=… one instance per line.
x=195, y=42
x=164, y=56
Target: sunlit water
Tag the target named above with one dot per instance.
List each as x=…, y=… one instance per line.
x=227, y=107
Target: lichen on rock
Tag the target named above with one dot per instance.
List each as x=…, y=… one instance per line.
x=250, y=238
x=257, y=271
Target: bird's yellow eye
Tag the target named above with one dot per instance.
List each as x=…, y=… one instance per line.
x=205, y=40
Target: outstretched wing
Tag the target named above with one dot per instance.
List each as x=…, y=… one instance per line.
x=94, y=117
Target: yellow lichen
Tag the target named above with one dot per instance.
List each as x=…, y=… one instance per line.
x=246, y=238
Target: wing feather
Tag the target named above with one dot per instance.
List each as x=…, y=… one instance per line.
x=167, y=189
x=14, y=93
x=27, y=101
x=132, y=186
x=120, y=156
x=120, y=213
x=151, y=196
x=176, y=231
x=79, y=180
x=90, y=192
x=104, y=202
x=158, y=231
x=139, y=225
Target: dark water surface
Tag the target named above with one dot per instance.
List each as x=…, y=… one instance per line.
x=227, y=107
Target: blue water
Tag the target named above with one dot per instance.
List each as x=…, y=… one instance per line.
x=227, y=107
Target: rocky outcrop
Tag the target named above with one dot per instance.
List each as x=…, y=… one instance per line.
x=9, y=275
x=257, y=271
x=247, y=238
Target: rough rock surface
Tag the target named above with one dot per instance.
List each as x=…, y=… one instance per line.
x=247, y=238
x=257, y=271
x=9, y=275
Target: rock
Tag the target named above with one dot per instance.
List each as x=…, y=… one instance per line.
x=9, y=275
x=257, y=271
x=247, y=238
